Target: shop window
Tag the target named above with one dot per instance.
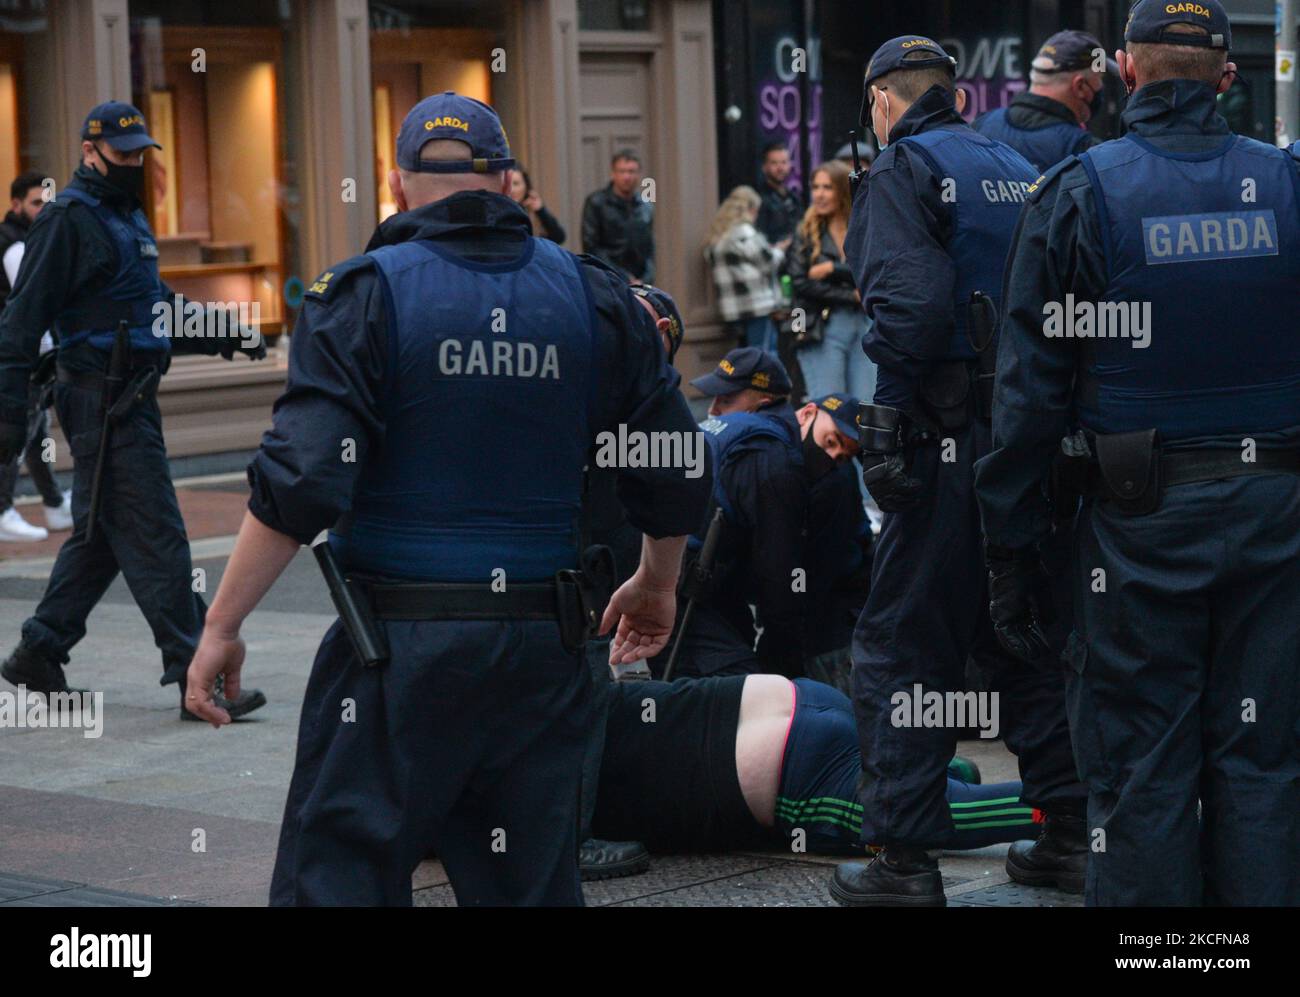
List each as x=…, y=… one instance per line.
x=212, y=97
x=28, y=93
x=423, y=47
x=614, y=15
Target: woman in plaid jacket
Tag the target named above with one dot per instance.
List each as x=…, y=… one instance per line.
x=744, y=268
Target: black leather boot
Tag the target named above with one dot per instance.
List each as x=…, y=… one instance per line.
x=611, y=859
x=248, y=701
x=1058, y=858
x=897, y=877
x=29, y=667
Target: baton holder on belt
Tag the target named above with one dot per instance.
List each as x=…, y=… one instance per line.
x=354, y=611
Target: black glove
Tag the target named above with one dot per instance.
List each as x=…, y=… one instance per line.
x=886, y=478
x=883, y=434
x=12, y=438
x=230, y=345
x=1019, y=601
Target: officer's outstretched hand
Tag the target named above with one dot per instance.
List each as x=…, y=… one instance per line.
x=645, y=620
x=886, y=478
x=1019, y=603
x=217, y=654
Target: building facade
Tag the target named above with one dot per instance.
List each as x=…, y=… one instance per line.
x=278, y=119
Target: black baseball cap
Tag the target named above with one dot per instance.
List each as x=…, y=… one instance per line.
x=1148, y=21
x=119, y=124
x=450, y=115
x=665, y=307
x=891, y=56
x=746, y=367
x=1068, y=50
x=844, y=410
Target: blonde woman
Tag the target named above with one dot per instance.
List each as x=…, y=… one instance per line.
x=744, y=268
x=823, y=287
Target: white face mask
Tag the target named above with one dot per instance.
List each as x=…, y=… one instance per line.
x=882, y=143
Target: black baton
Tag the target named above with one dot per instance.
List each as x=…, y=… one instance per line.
x=701, y=571
x=359, y=622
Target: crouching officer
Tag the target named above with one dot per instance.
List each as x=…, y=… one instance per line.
x=1183, y=674
x=1050, y=121
x=90, y=272
x=471, y=367
x=928, y=234
x=766, y=463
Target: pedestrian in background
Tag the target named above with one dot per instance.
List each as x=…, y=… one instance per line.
x=744, y=266
x=782, y=207
x=830, y=350
x=618, y=223
x=26, y=198
x=545, y=224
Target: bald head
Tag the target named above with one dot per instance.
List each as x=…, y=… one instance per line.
x=413, y=190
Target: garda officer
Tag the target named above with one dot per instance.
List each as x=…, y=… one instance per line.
x=1050, y=121
x=747, y=379
x=766, y=463
x=607, y=524
x=91, y=263
x=1184, y=673
x=927, y=237
x=451, y=358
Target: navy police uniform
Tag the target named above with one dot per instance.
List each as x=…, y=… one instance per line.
x=1041, y=129
x=91, y=261
x=759, y=484
x=472, y=365
x=1184, y=675
x=929, y=230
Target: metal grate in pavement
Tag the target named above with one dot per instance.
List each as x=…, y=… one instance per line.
x=1015, y=895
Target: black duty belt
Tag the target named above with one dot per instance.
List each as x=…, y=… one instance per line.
x=1184, y=467
x=94, y=380
x=462, y=601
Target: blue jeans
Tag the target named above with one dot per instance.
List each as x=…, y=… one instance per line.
x=837, y=364
x=758, y=331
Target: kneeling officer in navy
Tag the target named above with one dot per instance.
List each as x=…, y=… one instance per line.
x=468, y=368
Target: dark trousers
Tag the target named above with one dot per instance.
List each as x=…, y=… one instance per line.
x=469, y=741
x=1184, y=685
x=38, y=428
x=926, y=613
x=602, y=689
x=140, y=533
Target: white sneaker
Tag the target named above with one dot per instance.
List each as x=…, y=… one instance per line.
x=15, y=529
x=59, y=517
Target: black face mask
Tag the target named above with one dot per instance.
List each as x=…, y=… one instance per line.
x=1098, y=100
x=128, y=179
x=817, y=463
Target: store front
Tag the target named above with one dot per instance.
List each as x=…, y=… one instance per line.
x=278, y=121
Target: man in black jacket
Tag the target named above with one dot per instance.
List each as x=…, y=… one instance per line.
x=618, y=223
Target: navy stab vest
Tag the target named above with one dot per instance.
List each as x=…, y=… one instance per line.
x=1043, y=147
x=989, y=186
x=1221, y=275
x=729, y=436
x=131, y=294
x=487, y=432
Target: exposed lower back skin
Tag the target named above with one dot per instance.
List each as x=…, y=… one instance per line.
x=766, y=707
